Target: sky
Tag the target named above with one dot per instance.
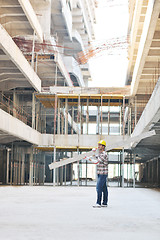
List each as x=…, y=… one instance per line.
x=111, y=22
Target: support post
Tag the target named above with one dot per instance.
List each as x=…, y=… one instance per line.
x=81, y=120
x=31, y=169
x=123, y=115
x=86, y=172
x=157, y=172
x=122, y=171
x=120, y=121
x=54, y=170
x=22, y=167
x=98, y=119
x=58, y=127
x=71, y=169
x=33, y=45
x=130, y=129
x=7, y=175
x=65, y=174
x=108, y=116
x=56, y=76
x=78, y=115
x=72, y=120
x=66, y=116
x=135, y=111
x=87, y=114
x=12, y=159
x=101, y=113
x=19, y=158
x=15, y=104
x=78, y=167
x=134, y=161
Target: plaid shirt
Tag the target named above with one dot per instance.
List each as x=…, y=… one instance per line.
x=102, y=166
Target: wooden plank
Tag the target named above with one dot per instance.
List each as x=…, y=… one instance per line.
x=125, y=144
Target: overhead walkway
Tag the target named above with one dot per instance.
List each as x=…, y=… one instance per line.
x=150, y=120
x=13, y=128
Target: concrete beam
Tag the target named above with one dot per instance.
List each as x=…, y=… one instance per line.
x=16, y=56
x=18, y=129
x=4, y=86
x=151, y=113
x=85, y=20
x=145, y=42
x=79, y=140
x=63, y=70
x=32, y=18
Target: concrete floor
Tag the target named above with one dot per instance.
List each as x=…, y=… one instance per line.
x=67, y=213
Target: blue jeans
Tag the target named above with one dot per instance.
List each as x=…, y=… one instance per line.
x=102, y=187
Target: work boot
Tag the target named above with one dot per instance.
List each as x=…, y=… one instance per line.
x=97, y=205
x=104, y=205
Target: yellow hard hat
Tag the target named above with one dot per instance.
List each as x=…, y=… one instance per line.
x=102, y=142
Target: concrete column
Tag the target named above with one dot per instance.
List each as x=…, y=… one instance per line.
x=33, y=110
x=37, y=116
x=66, y=116
x=62, y=120
x=54, y=170
x=12, y=156
x=119, y=169
x=81, y=120
x=86, y=172
x=22, y=167
x=98, y=120
x=135, y=110
x=122, y=168
x=134, y=161
x=7, y=167
x=45, y=120
x=120, y=121
x=87, y=115
x=31, y=168
x=43, y=169
x=157, y=171
x=71, y=169
x=65, y=174
x=101, y=113
x=130, y=128
x=78, y=169
x=72, y=119
x=33, y=45
x=15, y=104
x=127, y=174
x=34, y=169
x=123, y=115
x=58, y=124
x=56, y=75
x=61, y=170
x=152, y=171
x=108, y=116
x=78, y=115
x=19, y=159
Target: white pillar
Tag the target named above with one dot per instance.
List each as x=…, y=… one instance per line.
x=33, y=111
x=87, y=114
x=7, y=176
x=122, y=168
x=134, y=180
x=54, y=170
x=31, y=169
x=66, y=116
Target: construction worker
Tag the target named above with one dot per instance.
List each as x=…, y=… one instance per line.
x=102, y=173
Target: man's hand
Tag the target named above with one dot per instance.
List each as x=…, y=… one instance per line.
x=94, y=151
